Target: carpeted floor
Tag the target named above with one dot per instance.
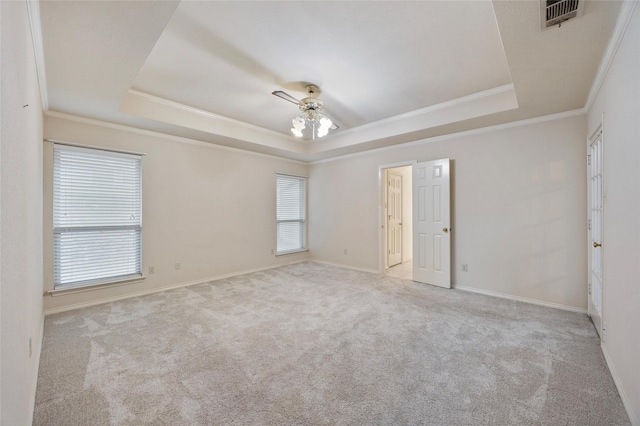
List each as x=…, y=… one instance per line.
x=311, y=344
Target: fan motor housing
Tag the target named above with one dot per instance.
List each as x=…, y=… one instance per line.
x=311, y=104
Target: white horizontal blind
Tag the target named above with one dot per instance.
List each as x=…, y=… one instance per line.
x=97, y=216
x=290, y=213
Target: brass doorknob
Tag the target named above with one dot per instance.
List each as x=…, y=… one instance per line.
x=596, y=245
x=445, y=230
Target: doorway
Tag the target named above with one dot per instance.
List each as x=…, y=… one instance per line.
x=425, y=238
x=397, y=220
x=595, y=229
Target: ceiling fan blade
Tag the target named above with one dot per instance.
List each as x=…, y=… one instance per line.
x=285, y=96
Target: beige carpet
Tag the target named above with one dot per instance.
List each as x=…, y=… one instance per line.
x=310, y=344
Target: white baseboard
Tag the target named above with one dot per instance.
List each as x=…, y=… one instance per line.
x=523, y=299
x=616, y=380
x=340, y=265
x=165, y=288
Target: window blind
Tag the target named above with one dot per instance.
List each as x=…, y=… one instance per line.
x=290, y=213
x=97, y=216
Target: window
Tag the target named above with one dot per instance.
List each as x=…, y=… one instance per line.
x=97, y=216
x=290, y=213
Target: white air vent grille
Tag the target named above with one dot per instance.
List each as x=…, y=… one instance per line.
x=555, y=12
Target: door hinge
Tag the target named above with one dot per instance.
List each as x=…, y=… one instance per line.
x=589, y=225
x=389, y=252
x=588, y=159
x=589, y=288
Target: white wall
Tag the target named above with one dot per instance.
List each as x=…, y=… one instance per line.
x=619, y=100
x=20, y=217
x=518, y=209
x=211, y=209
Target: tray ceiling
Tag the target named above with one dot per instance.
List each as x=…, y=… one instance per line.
x=389, y=72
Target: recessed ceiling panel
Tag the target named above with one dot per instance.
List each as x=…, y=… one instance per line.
x=371, y=60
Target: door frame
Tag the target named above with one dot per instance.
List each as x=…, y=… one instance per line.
x=381, y=213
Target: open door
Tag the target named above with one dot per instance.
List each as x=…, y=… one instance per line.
x=595, y=231
x=431, y=223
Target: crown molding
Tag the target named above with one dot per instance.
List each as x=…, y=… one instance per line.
x=626, y=12
x=158, y=109
x=431, y=108
x=478, y=131
x=398, y=128
x=33, y=10
x=160, y=135
x=207, y=114
x=179, y=139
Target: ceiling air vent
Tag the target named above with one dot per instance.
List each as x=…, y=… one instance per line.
x=555, y=12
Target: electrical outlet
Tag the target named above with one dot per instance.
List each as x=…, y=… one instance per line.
x=346, y=251
x=178, y=265
x=604, y=330
x=152, y=270
x=30, y=347
x=465, y=267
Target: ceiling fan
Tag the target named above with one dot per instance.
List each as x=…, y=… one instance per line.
x=311, y=116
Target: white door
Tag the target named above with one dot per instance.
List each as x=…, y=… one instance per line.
x=595, y=231
x=394, y=218
x=431, y=223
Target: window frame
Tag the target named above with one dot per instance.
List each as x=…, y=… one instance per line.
x=138, y=228
x=302, y=221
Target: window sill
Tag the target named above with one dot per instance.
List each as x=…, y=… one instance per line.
x=287, y=253
x=96, y=286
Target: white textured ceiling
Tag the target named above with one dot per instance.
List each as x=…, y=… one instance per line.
x=389, y=72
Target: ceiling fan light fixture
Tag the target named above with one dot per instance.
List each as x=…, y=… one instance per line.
x=311, y=116
x=298, y=126
x=325, y=125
